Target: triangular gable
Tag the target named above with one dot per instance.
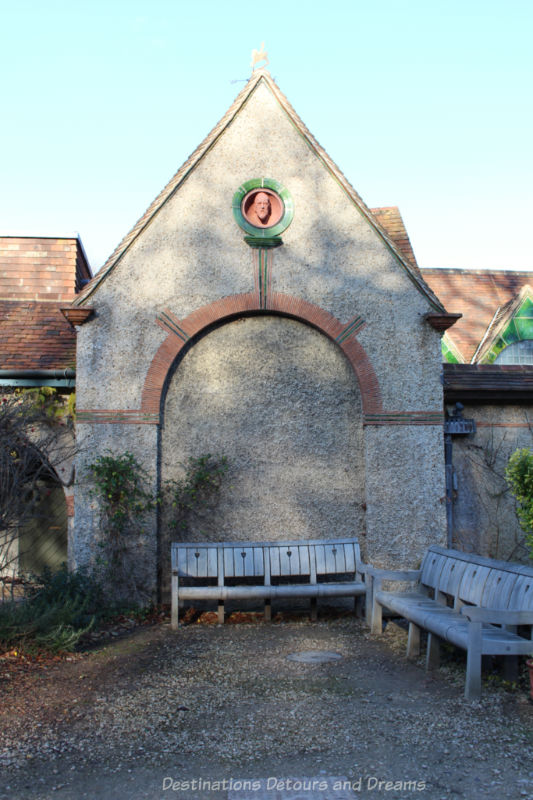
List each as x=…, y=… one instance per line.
x=450, y=352
x=259, y=76
x=512, y=323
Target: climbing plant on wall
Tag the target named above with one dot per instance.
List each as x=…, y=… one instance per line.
x=121, y=486
x=193, y=499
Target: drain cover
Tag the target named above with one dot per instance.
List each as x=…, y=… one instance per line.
x=314, y=656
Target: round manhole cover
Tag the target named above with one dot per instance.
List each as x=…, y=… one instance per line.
x=314, y=656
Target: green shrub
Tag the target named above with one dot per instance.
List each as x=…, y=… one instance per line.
x=60, y=608
x=519, y=476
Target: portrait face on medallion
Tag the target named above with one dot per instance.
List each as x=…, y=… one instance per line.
x=262, y=208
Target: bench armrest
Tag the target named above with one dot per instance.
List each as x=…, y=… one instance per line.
x=497, y=616
x=393, y=574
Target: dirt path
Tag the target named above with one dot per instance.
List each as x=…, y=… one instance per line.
x=224, y=703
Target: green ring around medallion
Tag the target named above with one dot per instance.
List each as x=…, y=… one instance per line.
x=283, y=194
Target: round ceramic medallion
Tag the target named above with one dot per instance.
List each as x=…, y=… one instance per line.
x=262, y=207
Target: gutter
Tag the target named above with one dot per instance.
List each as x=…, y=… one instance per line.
x=61, y=378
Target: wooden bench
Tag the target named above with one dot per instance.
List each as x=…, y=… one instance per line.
x=265, y=570
x=472, y=602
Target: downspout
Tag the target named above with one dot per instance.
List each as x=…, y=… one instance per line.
x=454, y=425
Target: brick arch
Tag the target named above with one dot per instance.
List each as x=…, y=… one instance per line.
x=182, y=331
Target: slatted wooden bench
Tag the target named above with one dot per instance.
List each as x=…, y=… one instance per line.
x=475, y=603
x=265, y=570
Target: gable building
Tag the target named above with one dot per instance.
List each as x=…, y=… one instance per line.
x=261, y=311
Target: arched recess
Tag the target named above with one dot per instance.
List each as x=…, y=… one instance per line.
x=281, y=403
x=42, y=541
x=180, y=332
x=291, y=423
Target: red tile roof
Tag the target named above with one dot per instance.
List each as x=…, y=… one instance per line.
x=477, y=295
x=37, y=276
x=391, y=220
x=35, y=335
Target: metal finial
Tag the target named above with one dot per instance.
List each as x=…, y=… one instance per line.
x=259, y=55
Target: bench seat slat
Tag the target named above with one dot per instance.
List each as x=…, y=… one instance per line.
x=275, y=564
x=498, y=589
x=303, y=554
x=451, y=576
x=320, y=559
x=432, y=568
x=349, y=557
x=212, y=562
x=522, y=594
x=286, y=560
x=473, y=584
x=259, y=561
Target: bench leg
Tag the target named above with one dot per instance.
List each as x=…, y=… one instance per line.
x=174, y=617
x=174, y=614
x=413, y=641
x=221, y=612
x=473, y=662
x=510, y=663
x=510, y=668
x=377, y=618
x=268, y=610
x=433, y=652
x=368, y=608
x=314, y=612
x=358, y=606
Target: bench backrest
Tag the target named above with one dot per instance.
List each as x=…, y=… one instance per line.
x=477, y=580
x=264, y=560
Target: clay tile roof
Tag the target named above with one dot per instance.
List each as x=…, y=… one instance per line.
x=35, y=335
x=487, y=382
x=478, y=295
x=391, y=221
x=259, y=76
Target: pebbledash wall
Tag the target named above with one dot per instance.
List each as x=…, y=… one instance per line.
x=312, y=366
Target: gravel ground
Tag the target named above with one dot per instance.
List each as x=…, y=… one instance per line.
x=221, y=702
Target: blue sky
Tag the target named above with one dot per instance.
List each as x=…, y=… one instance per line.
x=425, y=105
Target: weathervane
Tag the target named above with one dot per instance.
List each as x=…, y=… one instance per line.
x=259, y=55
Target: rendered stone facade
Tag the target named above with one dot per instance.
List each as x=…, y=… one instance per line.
x=311, y=367
x=485, y=519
